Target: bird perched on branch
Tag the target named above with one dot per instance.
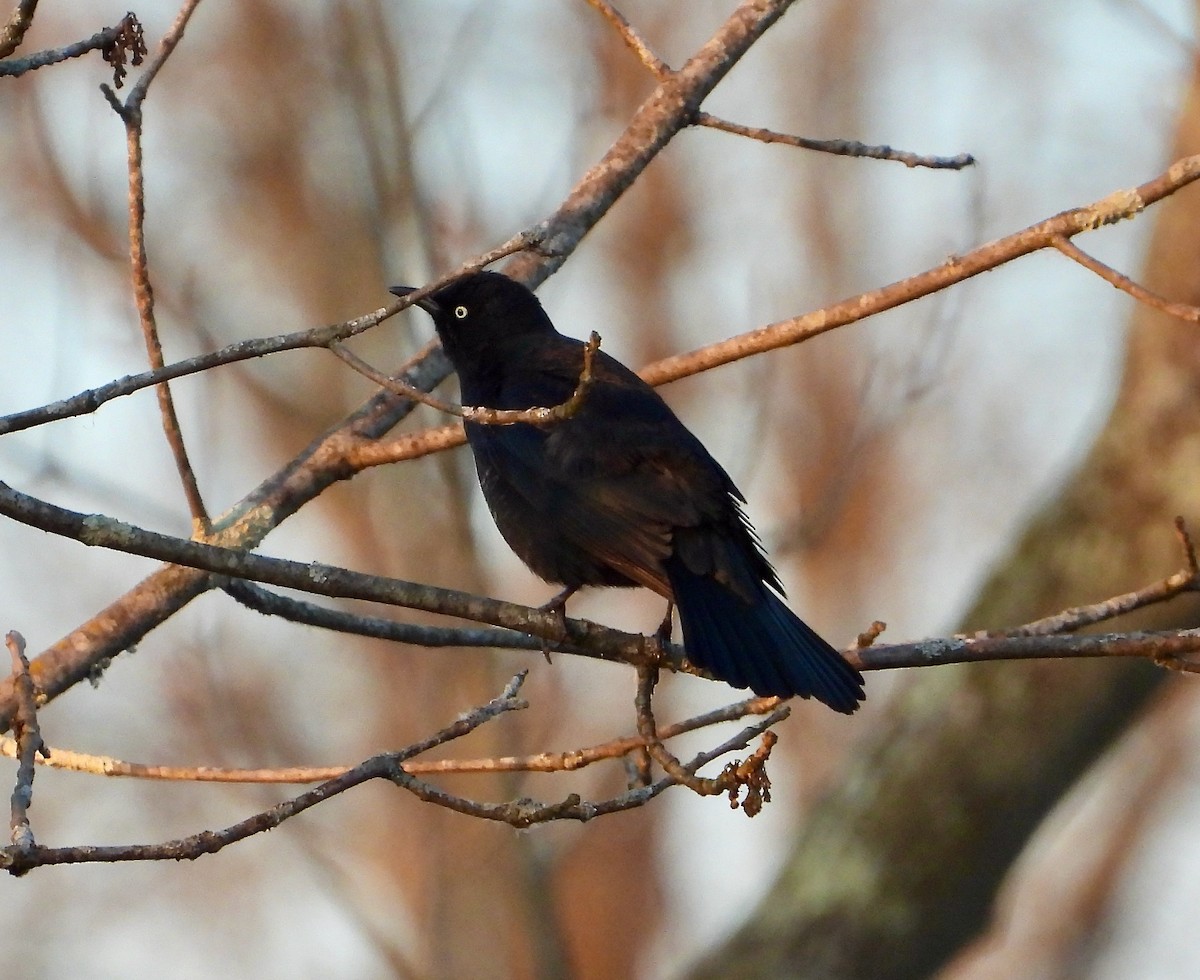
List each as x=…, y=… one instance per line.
x=620, y=493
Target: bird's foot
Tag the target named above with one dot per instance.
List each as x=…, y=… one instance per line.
x=666, y=627
x=557, y=605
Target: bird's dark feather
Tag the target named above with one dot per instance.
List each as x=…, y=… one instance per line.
x=621, y=494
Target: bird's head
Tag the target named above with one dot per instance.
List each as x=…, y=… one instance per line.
x=481, y=311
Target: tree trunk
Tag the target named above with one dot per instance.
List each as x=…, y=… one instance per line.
x=898, y=867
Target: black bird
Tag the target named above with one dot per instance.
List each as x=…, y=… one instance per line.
x=622, y=494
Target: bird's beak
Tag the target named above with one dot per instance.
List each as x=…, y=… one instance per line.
x=427, y=304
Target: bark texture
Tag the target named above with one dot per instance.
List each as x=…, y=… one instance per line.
x=898, y=867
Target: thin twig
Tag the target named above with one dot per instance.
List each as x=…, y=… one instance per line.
x=632, y=39
x=1182, y=311
x=19, y=21
x=844, y=148
x=120, y=44
x=648, y=729
x=572, y=405
x=410, y=445
x=1118, y=206
x=668, y=110
x=1188, y=546
x=310, y=614
x=385, y=766
x=394, y=385
x=749, y=774
x=1178, y=649
x=28, y=745
x=89, y=401
x=536, y=415
x=525, y=812
x=543, y=762
x=143, y=293
x=1115, y=207
x=589, y=638
x=1186, y=579
x=327, y=580
x=169, y=41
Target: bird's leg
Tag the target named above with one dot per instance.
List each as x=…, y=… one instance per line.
x=663, y=633
x=557, y=605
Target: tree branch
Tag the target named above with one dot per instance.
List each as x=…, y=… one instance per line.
x=1045, y=234
x=328, y=580
x=1182, y=311
x=143, y=293
x=1117, y=206
x=634, y=41
x=387, y=765
x=1173, y=649
x=28, y=746
x=118, y=43
x=19, y=21
x=535, y=415
x=750, y=774
x=570, y=760
x=89, y=401
x=396, y=767
x=845, y=148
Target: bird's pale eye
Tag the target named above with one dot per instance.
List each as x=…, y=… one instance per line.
x=460, y=312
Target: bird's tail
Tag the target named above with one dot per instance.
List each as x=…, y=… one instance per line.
x=761, y=645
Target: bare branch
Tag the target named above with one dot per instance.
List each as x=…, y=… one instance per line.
x=647, y=728
x=664, y=113
x=298, y=611
x=845, y=148
x=537, y=415
x=1109, y=210
x=89, y=401
x=1175, y=649
x=143, y=293
x=19, y=21
x=750, y=774
x=632, y=39
x=120, y=43
x=133, y=104
x=388, y=766
x=1182, y=311
x=591, y=639
x=123, y=623
x=410, y=445
x=28, y=744
x=395, y=386
x=1186, y=579
x=328, y=580
x=396, y=767
x=1045, y=234
x=544, y=762
x=1116, y=207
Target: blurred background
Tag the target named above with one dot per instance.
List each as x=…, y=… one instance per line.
x=302, y=157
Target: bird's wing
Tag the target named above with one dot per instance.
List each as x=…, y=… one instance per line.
x=641, y=465
x=619, y=478
x=611, y=517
